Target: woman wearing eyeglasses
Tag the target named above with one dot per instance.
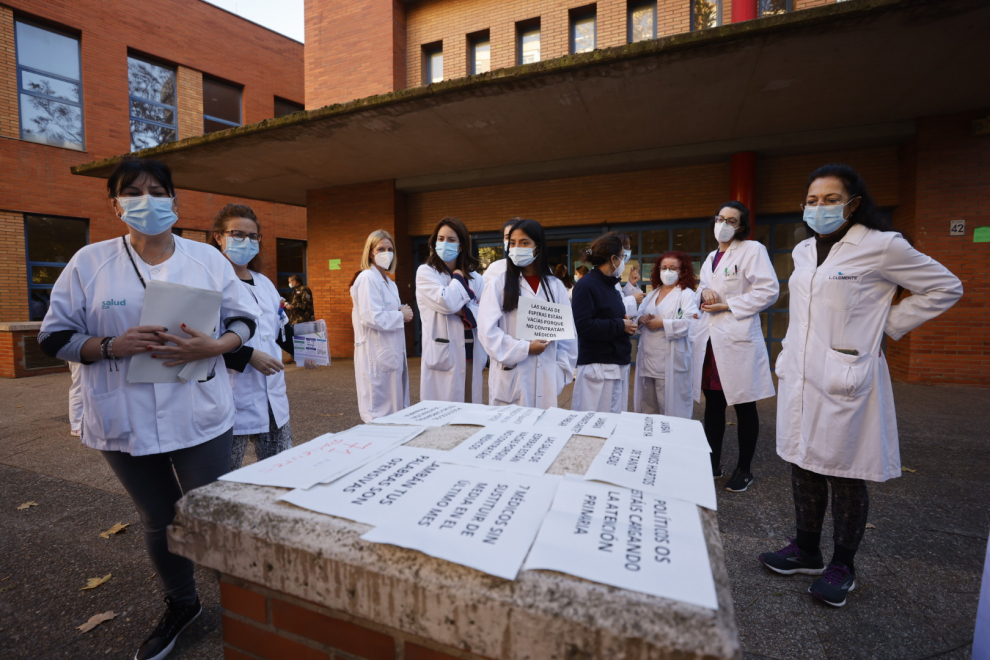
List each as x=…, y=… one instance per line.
x=731, y=364
x=835, y=411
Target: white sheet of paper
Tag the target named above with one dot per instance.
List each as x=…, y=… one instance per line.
x=595, y=424
x=483, y=519
x=628, y=539
x=664, y=469
x=539, y=319
x=668, y=430
x=170, y=305
x=425, y=413
x=478, y=415
x=310, y=347
x=325, y=458
x=525, y=450
x=370, y=493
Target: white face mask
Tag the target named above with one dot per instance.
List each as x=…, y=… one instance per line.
x=723, y=232
x=669, y=277
x=521, y=257
x=621, y=268
x=506, y=244
x=384, y=259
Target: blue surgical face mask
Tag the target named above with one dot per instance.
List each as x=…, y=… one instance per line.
x=825, y=219
x=627, y=256
x=521, y=257
x=447, y=251
x=148, y=215
x=240, y=252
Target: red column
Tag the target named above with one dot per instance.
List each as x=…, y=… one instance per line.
x=743, y=10
x=742, y=181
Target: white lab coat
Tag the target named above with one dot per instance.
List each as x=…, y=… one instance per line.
x=746, y=280
x=835, y=411
x=665, y=356
x=254, y=391
x=494, y=269
x=99, y=294
x=628, y=299
x=379, y=346
x=442, y=375
x=515, y=376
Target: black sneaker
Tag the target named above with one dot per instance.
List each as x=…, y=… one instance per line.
x=834, y=584
x=739, y=481
x=717, y=472
x=175, y=619
x=792, y=559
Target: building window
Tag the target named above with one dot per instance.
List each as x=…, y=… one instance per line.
x=433, y=63
x=706, y=14
x=153, y=104
x=480, y=50
x=528, y=40
x=50, y=242
x=290, y=259
x=774, y=7
x=49, y=81
x=583, y=29
x=284, y=107
x=642, y=21
x=221, y=105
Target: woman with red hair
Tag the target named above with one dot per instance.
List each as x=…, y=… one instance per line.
x=664, y=362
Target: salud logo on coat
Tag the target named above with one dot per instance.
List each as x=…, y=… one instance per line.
x=107, y=304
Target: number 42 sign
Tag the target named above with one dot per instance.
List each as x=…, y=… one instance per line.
x=957, y=228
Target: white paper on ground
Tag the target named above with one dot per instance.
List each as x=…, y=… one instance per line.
x=369, y=493
x=483, y=519
x=595, y=424
x=170, y=305
x=668, y=430
x=479, y=415
x=628, y=539
x=656, y=467
x=539, y=319
x=325, y=458
x=509, y=447
x=425, y=413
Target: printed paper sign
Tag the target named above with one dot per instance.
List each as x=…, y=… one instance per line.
x=539, y=319
x=595, y=424
x=325, y=458
x=483, y=519
x=478, y=415
x=509, y=447
x=424, y=413
x=310, y=347
x=370, y=493
x=628, y=539
x=662, y=469
x=668, y=430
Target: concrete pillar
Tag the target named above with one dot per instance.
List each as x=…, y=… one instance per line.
x=744, y=10
x=742, y=181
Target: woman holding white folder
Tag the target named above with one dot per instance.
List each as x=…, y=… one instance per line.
x=527, y=373
x=379, y=318
x=160, y=439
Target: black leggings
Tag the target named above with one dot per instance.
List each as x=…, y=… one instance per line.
x=749, y=428
x=850, y=507
x=155, y=483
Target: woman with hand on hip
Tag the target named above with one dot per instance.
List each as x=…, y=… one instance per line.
x=523, y=372
x=664, y=362
x=379, y=318
x=730, y=355
x=836, y=423
x=160, y=439
x=448, y=291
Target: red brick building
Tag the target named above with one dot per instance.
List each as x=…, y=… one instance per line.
x=641, y=116
x=84, y=80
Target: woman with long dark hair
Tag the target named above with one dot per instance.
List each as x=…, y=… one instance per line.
x=527, y=373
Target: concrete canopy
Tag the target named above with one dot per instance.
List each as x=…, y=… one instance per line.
x=849, y=73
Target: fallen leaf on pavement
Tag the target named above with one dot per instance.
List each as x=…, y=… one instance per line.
x=119, y=527
x=26, y=505
x=870, y=526
x=907, y=469
x=96, y=620
x=93, y=583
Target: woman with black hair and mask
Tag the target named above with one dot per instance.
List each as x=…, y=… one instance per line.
x=160, y=439
x=526, y=373
x=731, y=363
x=836, y=423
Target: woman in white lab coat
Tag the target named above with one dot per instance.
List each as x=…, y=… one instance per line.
x=526, y=373
x=257, y=375
x=448, y=292
x=730, y=355
x=836, y=423
x=378, y=317
x=160, y=439
x=664, y=363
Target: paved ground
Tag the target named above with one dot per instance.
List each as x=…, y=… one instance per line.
x=919, y=569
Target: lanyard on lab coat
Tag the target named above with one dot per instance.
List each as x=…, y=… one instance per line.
x=128, y=251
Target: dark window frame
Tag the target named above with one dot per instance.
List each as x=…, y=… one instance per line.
x=577, y=14
x=718, y=14
x=633, y=6
x=788, y=8
x=240, y=104
x=524, y=27
x=429, y=50
x=31, y=265
x=279, y=99
x=131, y=98
x=474, y=40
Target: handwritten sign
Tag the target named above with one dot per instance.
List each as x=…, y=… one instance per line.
x=595, y=424
x=425, y=413
x=479, y=415
x=539, y=319
x=668, y=430
x=509, y=447
x=628, y=539
x=483, y=519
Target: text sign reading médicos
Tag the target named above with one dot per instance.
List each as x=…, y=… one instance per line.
x=539, y=319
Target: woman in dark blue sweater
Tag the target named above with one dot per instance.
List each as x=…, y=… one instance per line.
x=604, y=348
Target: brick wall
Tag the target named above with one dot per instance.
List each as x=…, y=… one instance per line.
x=13, y=269
x=190, y=102
x=8, y=76
x=21, y=356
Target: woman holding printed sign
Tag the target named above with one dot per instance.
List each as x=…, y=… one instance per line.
x=448, y=291
x=664, y=373
x=835, y=411
x=379, y=336
x=161, y=439
x=603, y=330
x=524, y=372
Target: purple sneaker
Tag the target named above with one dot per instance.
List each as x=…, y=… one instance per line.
x=834, y=584
x=792, y=559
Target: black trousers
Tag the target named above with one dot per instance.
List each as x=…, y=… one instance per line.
x=850, y=508
x=749, y=428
